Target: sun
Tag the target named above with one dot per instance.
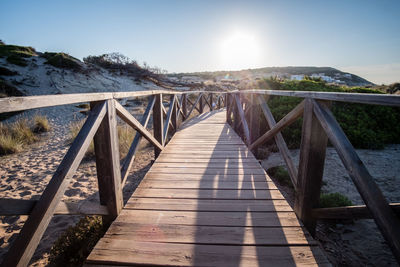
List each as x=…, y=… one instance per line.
x=240, y=50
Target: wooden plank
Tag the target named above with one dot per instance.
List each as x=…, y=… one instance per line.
x=134, y=123
x=130, y=156
x=372, y=196
x=24, y=246
x=11, y=207
x=216, y=235
x=291, y=117
x=240, y=205
x=184, y=106
x=203, y=171
x=106, y=147
x=179, y=184
x=208, y=165
x=280, y=142
x=208, y=194
x=183, y=159
x=349, y=212
x=109, y=251
x=205, y=177
x=256, y=219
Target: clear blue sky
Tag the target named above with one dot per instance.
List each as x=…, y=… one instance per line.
x=180, y=36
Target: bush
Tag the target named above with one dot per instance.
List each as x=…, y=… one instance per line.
x=75, y=244
x=281, y=175
x=332, y=200
x=366, y=126
x=41, y=124
x=15, y=54
x=62, y=60
x=7, y=72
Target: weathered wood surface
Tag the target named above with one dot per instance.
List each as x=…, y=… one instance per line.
x=206, y=203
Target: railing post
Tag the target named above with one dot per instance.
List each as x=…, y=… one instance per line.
x=219, y=102
x=228, y=108
x=211, y=101
x=254, y=120
x=158, y=122
x=201, y=105
x=311, y=167
x=236, y=118
x=174, y=116
x=184, y=107
x=106, y=147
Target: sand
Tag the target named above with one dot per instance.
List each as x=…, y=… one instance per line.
x=357, y=243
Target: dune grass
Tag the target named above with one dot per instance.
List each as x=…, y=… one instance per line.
x=14, y=136
x=125, y=137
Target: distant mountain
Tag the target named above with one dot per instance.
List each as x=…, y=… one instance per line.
x=282, y=72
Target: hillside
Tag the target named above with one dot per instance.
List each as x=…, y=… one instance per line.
x=23, y=70
x=280, y=72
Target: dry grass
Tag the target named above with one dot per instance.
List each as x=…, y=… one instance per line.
x=125, y=137
x=14, y=136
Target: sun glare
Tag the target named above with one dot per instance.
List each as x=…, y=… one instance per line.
x=239, y=51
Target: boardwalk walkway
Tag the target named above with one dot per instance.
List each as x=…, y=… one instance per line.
x=206, y=201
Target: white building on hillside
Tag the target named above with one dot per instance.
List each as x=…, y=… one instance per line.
x=297, y=77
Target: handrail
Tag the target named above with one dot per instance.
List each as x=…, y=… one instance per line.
x=318, y=124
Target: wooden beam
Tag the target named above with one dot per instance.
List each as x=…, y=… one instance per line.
x=311, y=167
x=184, y=106
x=195, y=104
x=130, y=156
x=106, y=147
x=229, y=101
x=168, y=119
x=134, y=123
x=13, y=207
x=291, y=117
x=372, y=196
x=349, y=212
x=373, y=99
x=175, y=114
x=243, y=119
x=254, y=120
x=158, y=124
x=201, y=104
x=24, y=246
x=280, y=142
x=211, y=101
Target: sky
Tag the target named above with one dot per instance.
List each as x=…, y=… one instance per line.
x=362, y=37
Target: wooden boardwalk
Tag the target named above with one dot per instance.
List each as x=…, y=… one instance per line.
x=206, y=201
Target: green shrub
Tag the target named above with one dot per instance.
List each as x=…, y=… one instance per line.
x=75, y=244
x=85, y=106
x=22, y=132
x=366, y=126
x=15, y=54
x=9, y=145
x=332, y=200
x=281, y=175
x=62, y=60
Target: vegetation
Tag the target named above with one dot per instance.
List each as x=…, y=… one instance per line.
x=62, y=60
x=367, y=126
x=332, y=200
x=75, y=244
x=16, y=54
x=7, y=72
x=14, y=136
x=116, y=62
x=281, y=175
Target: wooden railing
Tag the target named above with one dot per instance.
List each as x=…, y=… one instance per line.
x=100, y=126
x=319, y=125
x=244, y=109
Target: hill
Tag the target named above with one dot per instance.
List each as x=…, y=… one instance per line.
x=328, y=73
